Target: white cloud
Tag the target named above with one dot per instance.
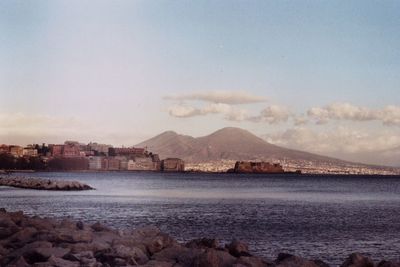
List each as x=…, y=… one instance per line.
x=225, y=97
x=273, y=114
x=300, y=120
x=183, y=111
x=230, y=113
x=389, y=115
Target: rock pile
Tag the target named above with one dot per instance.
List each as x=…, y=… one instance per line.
x=42, y=184
x=42, y=242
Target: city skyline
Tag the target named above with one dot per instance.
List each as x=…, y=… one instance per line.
x=316, y=76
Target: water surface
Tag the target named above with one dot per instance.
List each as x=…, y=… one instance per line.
x=324, y=217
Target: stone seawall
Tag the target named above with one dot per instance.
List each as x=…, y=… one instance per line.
x=42, y=184
x=34, y=241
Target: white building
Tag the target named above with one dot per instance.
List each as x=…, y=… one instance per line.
x=95, y=163
x=141, y=164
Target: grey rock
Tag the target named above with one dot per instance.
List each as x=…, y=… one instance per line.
x=154, y=263
x=288, y=260
x=214, y=258
x=385, y=263
x=178, y=254
x=156, y=243
x=253, y=262
x=131, y=254
x=238, y=248
x=79, y=225
x=74, y=236
x=19, y=262
x=98, y=227
x=23, y=237
x=357, y=260
x=56, y=262
x=7, y=227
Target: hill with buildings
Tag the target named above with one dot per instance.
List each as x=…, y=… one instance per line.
x=219, y=150
x=225, y=144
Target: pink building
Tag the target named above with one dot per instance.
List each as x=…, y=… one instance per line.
x=56, y=150
x=71, y=150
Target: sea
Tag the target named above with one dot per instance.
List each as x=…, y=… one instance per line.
x=323, y=217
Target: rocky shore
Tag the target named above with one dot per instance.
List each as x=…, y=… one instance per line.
x=42, y=184
x=34, y=241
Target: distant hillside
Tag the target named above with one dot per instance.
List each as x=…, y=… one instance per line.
x=227, y=143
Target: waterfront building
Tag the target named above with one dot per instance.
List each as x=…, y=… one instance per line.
x=257, y=167
x=142, y=164
x=113, y=164
x=17, y=151
x=172, y=165
x=99, y=148
x=129, y=151
x=71, y=149
x=56, y=150
x=95, y=163
x=123, y=163
x=4, y=149
x=30, y=152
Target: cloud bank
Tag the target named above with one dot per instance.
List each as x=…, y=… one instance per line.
x=224, y=102
x=389, y=115
x=225, y=97
x=229, y=112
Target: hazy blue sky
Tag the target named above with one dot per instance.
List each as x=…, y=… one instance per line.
x=298, y=73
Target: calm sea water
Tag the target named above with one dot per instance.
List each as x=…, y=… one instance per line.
x=324, y=217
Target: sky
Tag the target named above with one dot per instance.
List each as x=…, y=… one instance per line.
x=320, y=76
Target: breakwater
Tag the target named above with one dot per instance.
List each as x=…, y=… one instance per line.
x=42, y=184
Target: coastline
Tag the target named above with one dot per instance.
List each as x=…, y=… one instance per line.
x=26, y=241
x=291, y=173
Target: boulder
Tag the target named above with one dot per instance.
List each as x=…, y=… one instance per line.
x=38, y=223
x=7, y=227
x=79, y=225
x=156, y=243
x=22, y=237
x=178, y=254
x=148, y=231
x=95, y=247
x=16, y=216
x=98, y=227
x=131, y=254
x=19, y=262
x=288, y=260
x=154, y=263
x=357, y=260
x=384, y=263
x=237, y=248
x=56, y=262
x=253, y=262
x=214, y=258
x=74, y=236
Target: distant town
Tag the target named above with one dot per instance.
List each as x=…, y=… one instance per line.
x=76, y=156
x=73, y=155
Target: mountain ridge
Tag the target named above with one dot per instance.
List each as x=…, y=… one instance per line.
x=229, y=143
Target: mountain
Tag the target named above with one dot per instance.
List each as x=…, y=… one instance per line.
x=228, y=144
